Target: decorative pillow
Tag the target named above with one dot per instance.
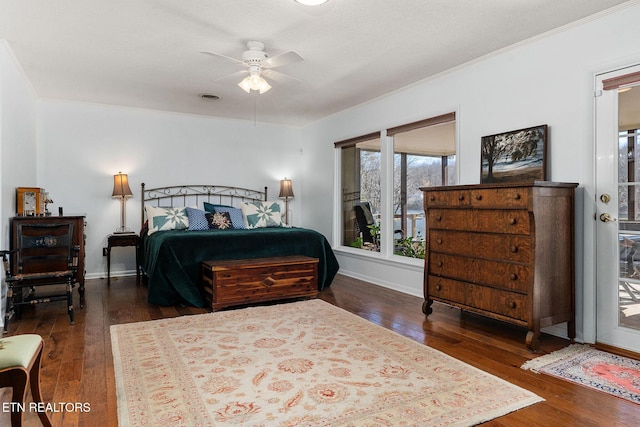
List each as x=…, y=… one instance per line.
x=211, y=207
x=219, y=220
x=161, y=219
x=197, y=219
x=235, y=214
x=261, y=214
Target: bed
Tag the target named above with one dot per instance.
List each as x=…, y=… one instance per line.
x=171, y=255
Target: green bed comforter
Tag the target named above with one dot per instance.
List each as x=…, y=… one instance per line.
x=171, y=259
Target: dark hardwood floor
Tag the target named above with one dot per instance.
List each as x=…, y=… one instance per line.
x=78, y=364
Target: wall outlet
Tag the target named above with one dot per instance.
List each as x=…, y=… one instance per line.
x=104, y=251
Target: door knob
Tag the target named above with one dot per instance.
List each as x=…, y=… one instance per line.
x=605, y=198
x=605, y=217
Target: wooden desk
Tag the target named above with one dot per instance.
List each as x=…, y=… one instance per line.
x=121, y=240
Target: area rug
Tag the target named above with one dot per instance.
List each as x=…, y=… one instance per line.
x=582, y=364
x=305, y=363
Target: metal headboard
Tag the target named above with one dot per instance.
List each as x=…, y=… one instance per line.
x=193, y=195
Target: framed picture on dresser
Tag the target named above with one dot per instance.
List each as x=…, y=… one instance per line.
x=515, y=156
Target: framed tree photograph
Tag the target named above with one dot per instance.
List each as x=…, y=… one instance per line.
x=515, y=156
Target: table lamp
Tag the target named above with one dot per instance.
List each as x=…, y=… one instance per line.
x=285, y=192
x=122, y=191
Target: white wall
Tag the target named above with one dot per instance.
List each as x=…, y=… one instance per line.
x=17, y=144
x=545, y=81
x=81, y=147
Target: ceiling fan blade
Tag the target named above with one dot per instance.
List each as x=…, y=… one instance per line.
x=228, y=58
x=238, y=75
x=283, y=59
x=279, y=77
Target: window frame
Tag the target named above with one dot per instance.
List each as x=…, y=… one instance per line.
x=387, y=184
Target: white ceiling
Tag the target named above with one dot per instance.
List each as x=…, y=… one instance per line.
x=145, y=53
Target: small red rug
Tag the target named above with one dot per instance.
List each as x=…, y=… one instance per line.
x=582, y=364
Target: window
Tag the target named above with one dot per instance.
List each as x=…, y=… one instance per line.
x=360, y=160
x=424, y=156
x=420, y=154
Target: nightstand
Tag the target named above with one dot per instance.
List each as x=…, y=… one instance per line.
x=119, y=240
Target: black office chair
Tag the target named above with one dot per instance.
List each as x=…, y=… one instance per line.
x=44, y=256
x=364, y=218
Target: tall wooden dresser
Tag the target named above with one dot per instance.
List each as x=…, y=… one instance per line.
x=78, y=221
x=503, y=250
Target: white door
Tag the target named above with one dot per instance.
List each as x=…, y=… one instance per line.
x=618, y=208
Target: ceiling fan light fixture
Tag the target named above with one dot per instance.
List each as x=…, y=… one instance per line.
x=264, y=86
x=312, y=2
x=245, y=85
x=254, y=81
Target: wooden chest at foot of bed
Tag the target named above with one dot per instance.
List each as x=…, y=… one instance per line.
x=245, y=281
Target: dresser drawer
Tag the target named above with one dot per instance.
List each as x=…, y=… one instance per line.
x=504, y=247
x=492, y=221
x=505, y=275
x=457, y=267
x=502, y=221
x=456, y=198
x=504, y=198
x=451, y=219
x=505, y=303
x=452, y=242
x=447, y=289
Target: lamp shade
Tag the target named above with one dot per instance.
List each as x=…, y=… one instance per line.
x=285, y=188
x=121, y=186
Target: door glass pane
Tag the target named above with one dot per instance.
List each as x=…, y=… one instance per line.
x=628, y=215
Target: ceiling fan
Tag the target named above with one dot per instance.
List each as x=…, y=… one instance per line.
x=259, y=65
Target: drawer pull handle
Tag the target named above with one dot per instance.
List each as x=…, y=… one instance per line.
x=514, y=249
x=513, y=304
x=438, y=218
x=461, y=197
x=513, y=276
x=478, y=196
x=440, y=263
x=513, y=221
x=438, y=287
x=517, y=196
x=268, y=281
x=439, y=241
x=432, y=198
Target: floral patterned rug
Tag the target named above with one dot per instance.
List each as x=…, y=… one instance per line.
x=305, y=363
x=582, y=364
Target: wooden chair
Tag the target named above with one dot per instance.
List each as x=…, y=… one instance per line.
x=43, y=255
x=20, y=357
